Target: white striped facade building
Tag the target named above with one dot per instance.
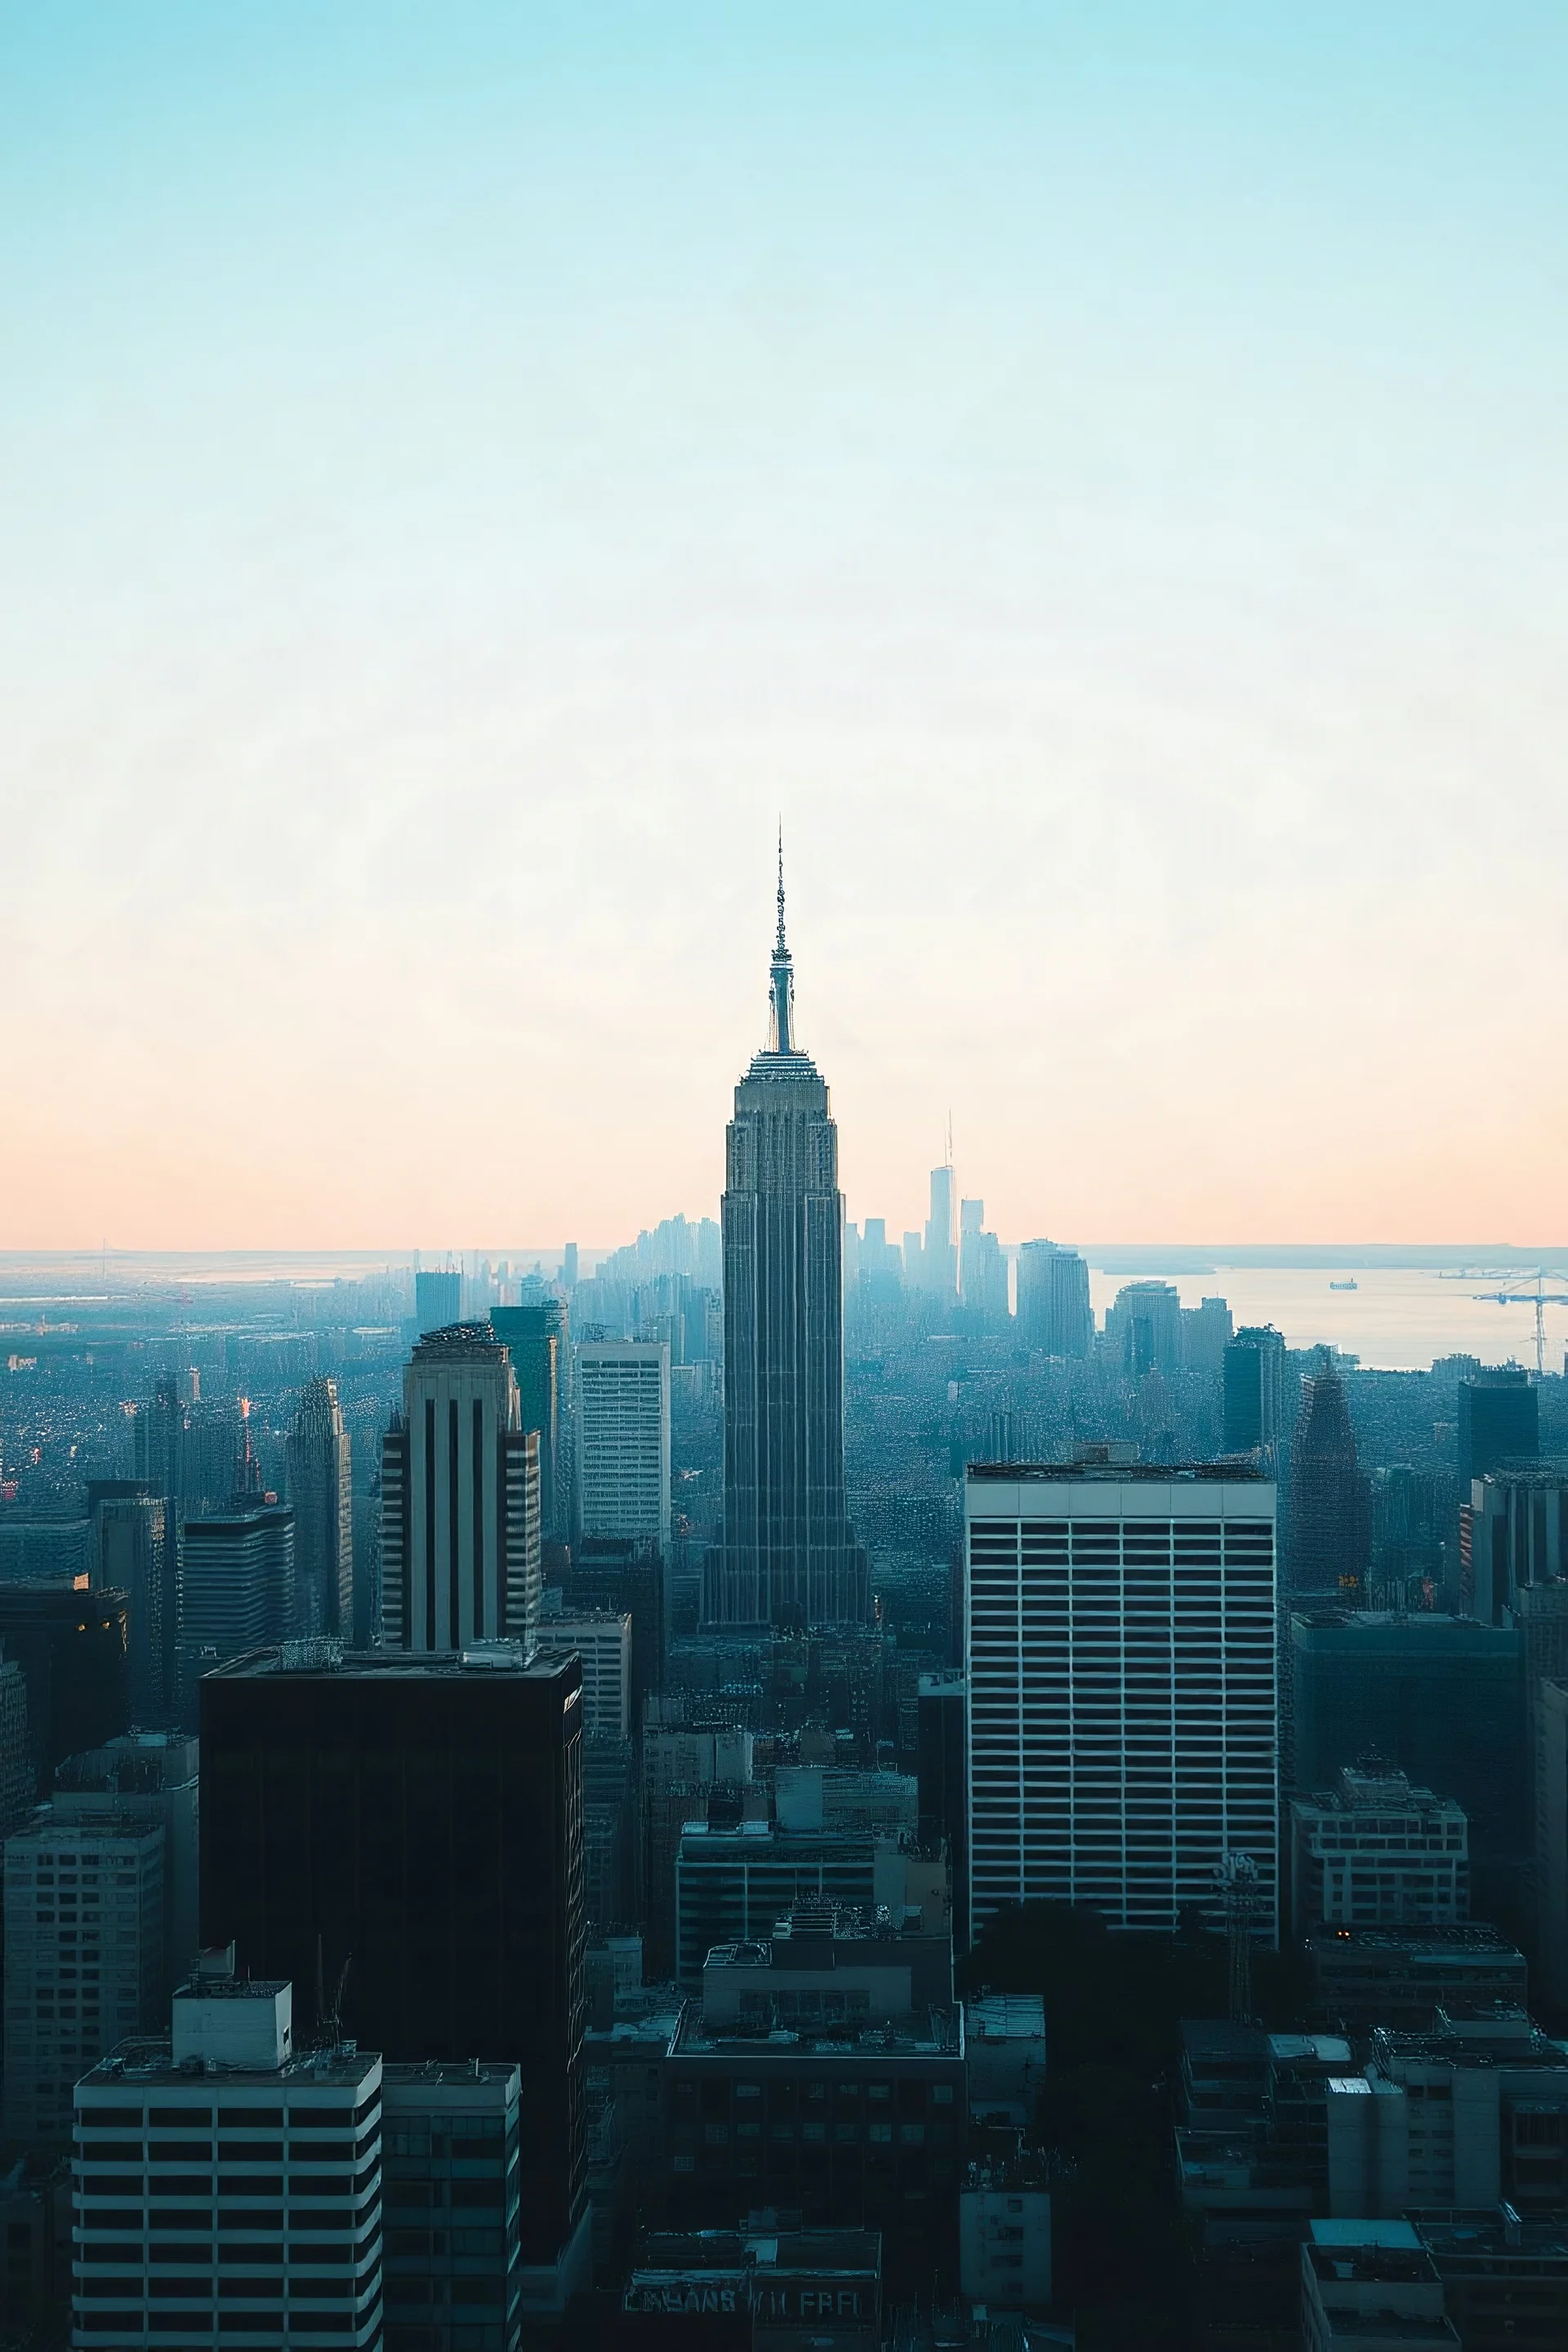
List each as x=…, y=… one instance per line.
x=1123, y=1718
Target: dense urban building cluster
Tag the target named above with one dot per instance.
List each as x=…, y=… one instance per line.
x=786, y=1787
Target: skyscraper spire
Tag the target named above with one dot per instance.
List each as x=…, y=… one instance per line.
x=790, y=1557
x=781, y=1040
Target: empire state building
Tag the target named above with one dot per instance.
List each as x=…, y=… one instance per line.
x=789, y=1557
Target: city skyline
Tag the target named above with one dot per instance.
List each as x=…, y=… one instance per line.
x=878, y=1742
x=1096, y=477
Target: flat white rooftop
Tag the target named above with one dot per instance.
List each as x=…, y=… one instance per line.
x=1023, y=1491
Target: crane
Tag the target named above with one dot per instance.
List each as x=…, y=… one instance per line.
x=1540, y=1298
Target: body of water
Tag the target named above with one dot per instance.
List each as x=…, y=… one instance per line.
x=1399, y=1318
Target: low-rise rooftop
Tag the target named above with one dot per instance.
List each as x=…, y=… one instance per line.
x=138, y=2063
x=931, y=2033
x=1235, y=1471
x=303, y=1660
x=449, y=2074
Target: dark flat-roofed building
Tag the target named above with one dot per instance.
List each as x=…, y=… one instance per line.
x=817, y=2074
x=452, y=2205
x=1505, y=2278
x=72, y=1646
x=419, y=1816
x=1366, y=1976
x=731, y=1883
x=761, y=2287
x=1500, y=1421
x=1443, y=1699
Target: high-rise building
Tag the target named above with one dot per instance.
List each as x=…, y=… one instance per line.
x=789, y=1555
x=1122, y=1707
x=1054, y=1311
x=71, y=1647
x=534, y=1336
x=1145, y=1324
x=132, y=1551
x=437, y=1299
x=880, y=1262
x=236, y=1590
x=943, y=1735
x=18, y=1778
x=623, y=1440
x=982, y=1267
x=320, y=1494
x=939, y=1258
x=609, y=1832
x=1552, y=1839
x=454, y=2143
x=1331, y=1502
x=459, y=1498
x=215, y=1463
x=150, y=1777
x=1441, y=1697
x=1254, y=1390
x=158, y=1431
x=627, y=1579
x=84, y=1957
x=602, y=1641
x=1499, y=1423
x=1514, y=1527
x=1206, y=1332
x=298, y=2142
x=432, y=1830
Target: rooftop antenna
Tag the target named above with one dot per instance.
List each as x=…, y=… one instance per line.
x=782, y=978
x=1238, y=1879
x=329, y=2014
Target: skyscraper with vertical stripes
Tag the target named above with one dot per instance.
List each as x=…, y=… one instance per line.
x=320, y=1494
x=1120, y=1641
x=789, y=1555
x=460, y=1501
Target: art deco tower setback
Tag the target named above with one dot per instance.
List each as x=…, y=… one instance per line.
x=459, y=1500
x=789, y=1557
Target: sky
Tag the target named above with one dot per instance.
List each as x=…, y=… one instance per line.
x=1096, y=474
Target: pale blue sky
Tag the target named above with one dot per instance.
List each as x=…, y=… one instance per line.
x=1100, y=471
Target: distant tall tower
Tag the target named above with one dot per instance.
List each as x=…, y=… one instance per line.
x=940, y=1258
x=460, y=1501
x=1253, y=1389
x=320, y=1490
x=789, y=1555
x=1053, y=1310
x=1330, y=1503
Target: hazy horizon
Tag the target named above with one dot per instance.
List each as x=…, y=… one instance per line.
x=1099, y=476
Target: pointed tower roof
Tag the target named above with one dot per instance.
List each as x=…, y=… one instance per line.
x=781, y=1025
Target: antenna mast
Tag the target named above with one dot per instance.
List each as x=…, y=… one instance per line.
x=1238, y=1879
